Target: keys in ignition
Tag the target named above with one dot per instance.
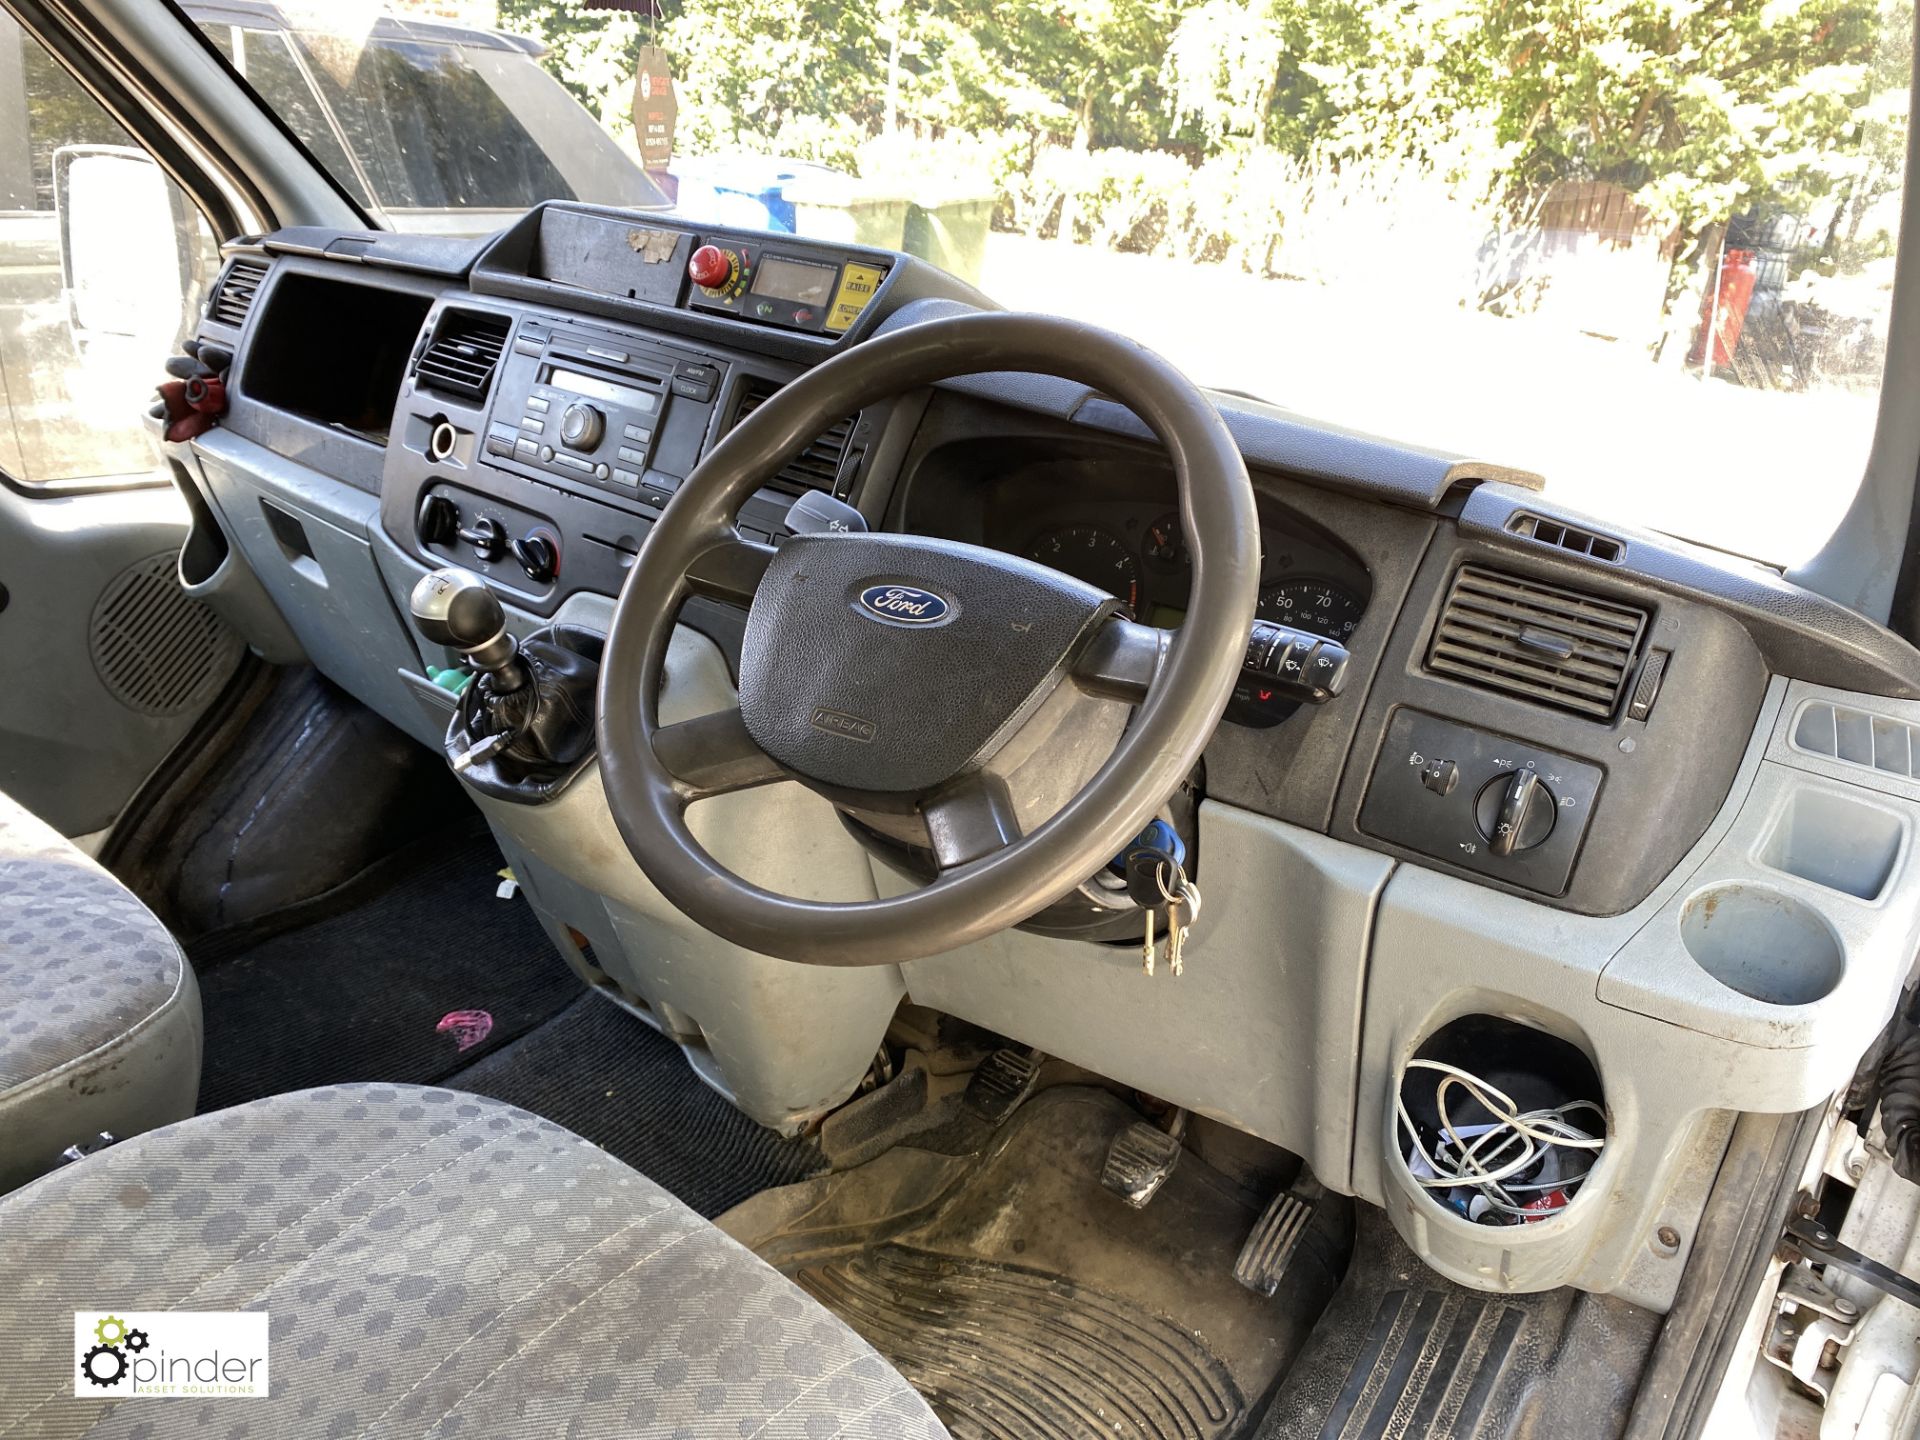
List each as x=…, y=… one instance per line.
x=1180, y=894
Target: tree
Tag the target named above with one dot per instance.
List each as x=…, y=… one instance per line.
x=1705, y=109
x=591, y=52
x=752, y=71
x=1095, y=64
x=1223, y=69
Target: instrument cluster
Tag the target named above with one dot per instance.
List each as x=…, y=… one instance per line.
x=1113, y=521
x=1137, y=552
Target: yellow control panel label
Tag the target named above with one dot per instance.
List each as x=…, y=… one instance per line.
x=858, y=283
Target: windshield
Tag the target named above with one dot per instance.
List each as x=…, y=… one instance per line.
x=1644, y=247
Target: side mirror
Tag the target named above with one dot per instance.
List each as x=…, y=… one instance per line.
x=126, y=246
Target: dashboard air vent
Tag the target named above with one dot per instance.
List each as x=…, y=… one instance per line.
x=1567, y=537
x=464, y=353
x=818, y=466
x=238, y=288
x=1542, y=643
x=1858, y=737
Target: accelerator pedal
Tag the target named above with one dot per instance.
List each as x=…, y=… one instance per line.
x=1276, y=1236
x=1141, y=1158
x=1005, y=1079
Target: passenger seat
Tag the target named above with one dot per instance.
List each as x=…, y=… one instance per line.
x=99, y=1011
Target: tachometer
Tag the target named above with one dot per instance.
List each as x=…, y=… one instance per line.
x=1318, y=607
x=1089, y=553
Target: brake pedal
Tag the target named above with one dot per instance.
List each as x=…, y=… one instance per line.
x=1140, y=1160
x=1005, y=1079
x=1276, y=1236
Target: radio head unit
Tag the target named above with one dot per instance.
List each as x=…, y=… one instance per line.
x=614, y=413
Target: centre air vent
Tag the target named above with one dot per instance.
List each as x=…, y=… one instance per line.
x=464, y=353
x=238, y=289
x=818, y=466
x=1536, y=641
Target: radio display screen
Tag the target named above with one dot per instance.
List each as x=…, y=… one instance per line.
x=643, y=401
x=797, y=280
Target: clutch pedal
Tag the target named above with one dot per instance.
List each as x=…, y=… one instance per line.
x=1276, y=1236
x=1005, y=1079
x=1141, y=1158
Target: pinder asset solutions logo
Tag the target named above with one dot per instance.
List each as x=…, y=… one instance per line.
x=182, y=1354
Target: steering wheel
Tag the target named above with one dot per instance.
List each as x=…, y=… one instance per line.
x=887, y=671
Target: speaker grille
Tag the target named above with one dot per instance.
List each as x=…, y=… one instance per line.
x=156, y=648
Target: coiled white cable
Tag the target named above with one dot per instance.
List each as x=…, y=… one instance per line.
x=1508, y=1147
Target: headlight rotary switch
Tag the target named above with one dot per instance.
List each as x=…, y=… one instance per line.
x=1515, y=812
x=1481, y=801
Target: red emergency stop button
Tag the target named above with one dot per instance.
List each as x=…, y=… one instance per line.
x=710, y=267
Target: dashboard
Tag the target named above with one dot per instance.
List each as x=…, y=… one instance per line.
x=1487, y=754
x=527, y=405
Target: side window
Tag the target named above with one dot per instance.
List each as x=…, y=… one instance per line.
x=103, y=264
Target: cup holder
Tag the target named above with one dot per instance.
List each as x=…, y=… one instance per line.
x=1763, y=943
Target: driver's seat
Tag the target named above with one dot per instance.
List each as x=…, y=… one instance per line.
x=433, y=1263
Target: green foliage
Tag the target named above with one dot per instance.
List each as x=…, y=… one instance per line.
x=1116, y=199
x=591, y=52
x=1213, y=127
x=754, y=75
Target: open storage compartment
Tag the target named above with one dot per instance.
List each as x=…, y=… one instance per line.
x=1498, y=1134
x=1835, y=841
x=333, y=352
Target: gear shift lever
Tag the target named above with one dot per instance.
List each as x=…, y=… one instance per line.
x=524, y=728
x=455, y=607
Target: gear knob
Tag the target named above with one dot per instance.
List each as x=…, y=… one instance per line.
x=456, y=608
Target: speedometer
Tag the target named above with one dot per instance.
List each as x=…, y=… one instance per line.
x=1318, y=607
x=1089, y=553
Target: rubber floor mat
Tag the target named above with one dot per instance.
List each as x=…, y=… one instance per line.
x=612, y=1079
x=999, y=1350
x=1405, y=1354
x=1027, y=1303
x=390, y=988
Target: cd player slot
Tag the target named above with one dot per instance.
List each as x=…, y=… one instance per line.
x=621, y=387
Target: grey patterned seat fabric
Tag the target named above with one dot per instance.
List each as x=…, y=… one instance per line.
x=99, y=1011
x=432, y=1264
